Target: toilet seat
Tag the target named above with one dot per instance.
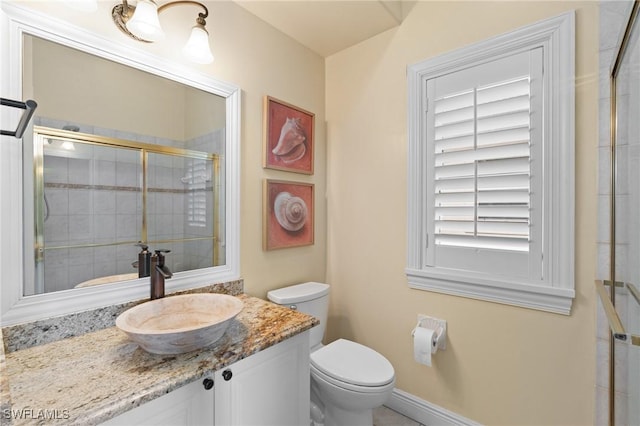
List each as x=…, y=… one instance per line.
x=352, y=366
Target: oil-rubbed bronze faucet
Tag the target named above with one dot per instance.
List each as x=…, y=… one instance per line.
x=159, y=272
x=144, y=261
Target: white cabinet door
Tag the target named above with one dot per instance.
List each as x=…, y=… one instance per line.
x=270, y=388
x=189, y=405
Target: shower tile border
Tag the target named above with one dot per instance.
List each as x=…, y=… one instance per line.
x=121, y=188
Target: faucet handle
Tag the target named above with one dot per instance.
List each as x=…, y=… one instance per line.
x=160, y=267
x=160, y=256
x=143, y=246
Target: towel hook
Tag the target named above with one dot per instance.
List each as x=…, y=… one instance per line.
x=29, y=107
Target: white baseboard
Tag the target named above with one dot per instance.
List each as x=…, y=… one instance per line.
x=425, y=412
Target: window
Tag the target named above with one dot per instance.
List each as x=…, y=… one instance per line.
x=196, y=180
x=491, y=146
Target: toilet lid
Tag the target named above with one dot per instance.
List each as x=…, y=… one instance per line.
x=304, y=292
x=353, y=363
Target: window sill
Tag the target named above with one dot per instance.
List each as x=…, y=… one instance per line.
x=525, y=295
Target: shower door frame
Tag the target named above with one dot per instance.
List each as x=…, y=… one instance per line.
x=608, y=299
x=41, y=133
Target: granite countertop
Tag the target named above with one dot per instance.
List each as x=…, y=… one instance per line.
x=91, y=378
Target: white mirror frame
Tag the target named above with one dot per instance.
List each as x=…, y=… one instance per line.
x=15, y=308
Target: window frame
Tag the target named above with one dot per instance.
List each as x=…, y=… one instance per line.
x=556, y=290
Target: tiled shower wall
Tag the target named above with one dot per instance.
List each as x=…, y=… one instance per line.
x=613, y=18
x=96, y=199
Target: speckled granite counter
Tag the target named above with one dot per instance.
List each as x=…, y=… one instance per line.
x=26, y=335
x=96, y=376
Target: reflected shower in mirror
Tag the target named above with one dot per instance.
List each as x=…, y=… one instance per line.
x=118, y=157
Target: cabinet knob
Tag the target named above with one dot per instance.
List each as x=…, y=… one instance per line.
x=207, y=383
x=226, y=375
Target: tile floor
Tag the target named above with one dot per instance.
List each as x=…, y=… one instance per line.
x=384, y=416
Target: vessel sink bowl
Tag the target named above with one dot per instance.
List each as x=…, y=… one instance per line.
x=108, y=280
x=179, y=324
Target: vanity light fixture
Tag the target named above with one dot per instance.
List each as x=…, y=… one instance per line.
x=141, y=23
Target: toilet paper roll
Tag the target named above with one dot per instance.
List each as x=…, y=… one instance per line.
x=425, y=344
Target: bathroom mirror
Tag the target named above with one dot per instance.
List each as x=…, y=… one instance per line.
x=108, y=178
x=126, y=148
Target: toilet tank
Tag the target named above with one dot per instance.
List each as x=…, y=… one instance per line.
x=310, y=298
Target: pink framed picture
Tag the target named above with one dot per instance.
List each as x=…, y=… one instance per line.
x=288, y=137
x=288, y=214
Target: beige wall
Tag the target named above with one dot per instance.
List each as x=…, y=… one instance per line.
x=503, y=365
x=263, y=62
x=74, y=86
x=64, y=84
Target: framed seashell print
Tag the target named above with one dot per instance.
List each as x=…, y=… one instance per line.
x=288, y=214
x=288, y=137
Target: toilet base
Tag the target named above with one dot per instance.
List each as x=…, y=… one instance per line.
x=338, y=407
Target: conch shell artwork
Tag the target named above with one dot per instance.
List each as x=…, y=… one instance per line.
x=288, y=214
x=291, y=212
x=291, y=145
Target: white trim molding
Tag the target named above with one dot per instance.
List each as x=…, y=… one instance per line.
x=425, y=412
x=550, y=285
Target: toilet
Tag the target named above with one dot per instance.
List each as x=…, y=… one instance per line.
x=348, y=380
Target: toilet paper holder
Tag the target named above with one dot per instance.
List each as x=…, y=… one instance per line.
x=440, y=327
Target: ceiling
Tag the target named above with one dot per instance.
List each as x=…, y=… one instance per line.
x=329, y=26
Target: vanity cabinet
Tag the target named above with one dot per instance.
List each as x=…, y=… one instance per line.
x=269, y=388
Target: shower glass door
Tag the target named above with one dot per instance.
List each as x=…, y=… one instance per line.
x=180, y=202
x=96, y=198
x=88, y=216
x=626, y=224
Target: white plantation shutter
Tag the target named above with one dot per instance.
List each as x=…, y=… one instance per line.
x=481, y=158
x=482, y=128
x=490, y=207
x=197, y=192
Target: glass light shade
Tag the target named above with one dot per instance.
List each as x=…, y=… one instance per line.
x=145, y=23
x=197, y=48
x=68, y=146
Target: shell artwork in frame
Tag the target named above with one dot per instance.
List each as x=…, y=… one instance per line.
x=288, y=137
x=288, y=214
